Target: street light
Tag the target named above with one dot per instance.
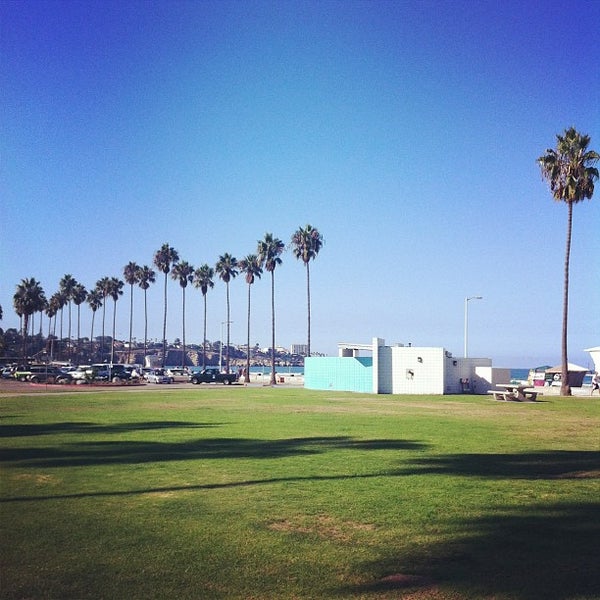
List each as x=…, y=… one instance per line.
x=221, y=344
x=467, y=320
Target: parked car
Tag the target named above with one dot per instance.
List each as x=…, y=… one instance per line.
x=213, y=375
x=7, y=373
x=179, y=374
x=104, y=372
x=22, y=373
x=49, y=374
x=81, y=374
x=158, y=376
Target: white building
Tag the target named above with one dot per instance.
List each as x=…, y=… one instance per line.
x=401, y=369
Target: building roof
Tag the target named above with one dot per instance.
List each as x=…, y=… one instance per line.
x=570, y=367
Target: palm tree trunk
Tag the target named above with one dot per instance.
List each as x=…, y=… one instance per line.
x=227, y=349
x=247, y=378
x=112, y=342
x=273, y=379
x=565, y=389
x=130, y=322
x=183, y=312
x=60, y=346
x=204, y=338
x=49, y=341
x=308, y=301
x=69, y=352
x=53, y=337
x=79, y=329
x=165, y=327
x=145, y=326
x=24, y=330
x=102, y=351
x=91, y=337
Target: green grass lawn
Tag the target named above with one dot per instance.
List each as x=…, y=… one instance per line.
x=261, y=493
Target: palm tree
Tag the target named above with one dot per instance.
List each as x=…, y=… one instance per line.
x=250, y=265
x=269, y=249
x=78, y=296
x=184, y=273
x=130, y=274
x=226, y=268
x=95, y=300
x=203, y=279
x=28, y=298
x=164, y=259
x=115, y=290
x=103, y=286
x=66, y=285
x=571, y=174
x=146, y=276
x=306, y=244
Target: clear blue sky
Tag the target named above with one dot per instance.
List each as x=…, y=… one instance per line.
x=406, y=132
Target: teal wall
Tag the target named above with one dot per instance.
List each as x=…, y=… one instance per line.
x=345, y=374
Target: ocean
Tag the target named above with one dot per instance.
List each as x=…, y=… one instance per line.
x=519, y=374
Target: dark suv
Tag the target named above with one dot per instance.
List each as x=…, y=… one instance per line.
x=48, y=374
x=105, y=372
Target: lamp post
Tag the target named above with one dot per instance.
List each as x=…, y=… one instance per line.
x=221, y=344
x=466, y=354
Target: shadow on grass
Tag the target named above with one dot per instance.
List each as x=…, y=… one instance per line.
x=7, y=431
x=550, y=464
x=134, y=452
x=548, y=552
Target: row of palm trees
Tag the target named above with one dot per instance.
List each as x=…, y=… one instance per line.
x=29, y=298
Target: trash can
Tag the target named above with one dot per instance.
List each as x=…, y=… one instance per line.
x=465, y=386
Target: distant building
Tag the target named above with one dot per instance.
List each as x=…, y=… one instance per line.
x=401, y=369
x=595, y=354
x=300, y=349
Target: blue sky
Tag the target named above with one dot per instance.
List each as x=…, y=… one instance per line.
x=406, y=132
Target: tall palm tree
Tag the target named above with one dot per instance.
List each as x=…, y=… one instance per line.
x=95, y=300
x=570, y=171
x=146, y=276
x=269, y=250
x=306, y=244
x=103, y=286
x=183, y=272
x=28, y=298
x=226, y=268
x=130, y=274
x=66, y=285
x=79, y=296
x=164, y=259
x=115, y=290
x=203, y=280
x=250, y=266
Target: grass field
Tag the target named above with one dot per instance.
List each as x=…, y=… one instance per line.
x=261, y=493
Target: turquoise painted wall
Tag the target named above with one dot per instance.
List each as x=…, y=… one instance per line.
x=345, y=374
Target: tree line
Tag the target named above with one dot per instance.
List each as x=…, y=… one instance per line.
x=30, y=298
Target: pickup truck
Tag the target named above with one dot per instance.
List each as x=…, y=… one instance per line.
x=212, y=375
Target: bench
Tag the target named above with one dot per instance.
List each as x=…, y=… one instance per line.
x=505, y=395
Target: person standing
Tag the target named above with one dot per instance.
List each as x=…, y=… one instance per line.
x=595, y=382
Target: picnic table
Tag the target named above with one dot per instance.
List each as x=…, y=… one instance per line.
x=519, y=392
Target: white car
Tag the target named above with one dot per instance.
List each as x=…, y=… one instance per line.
x=80, y=374
x=157, y=376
